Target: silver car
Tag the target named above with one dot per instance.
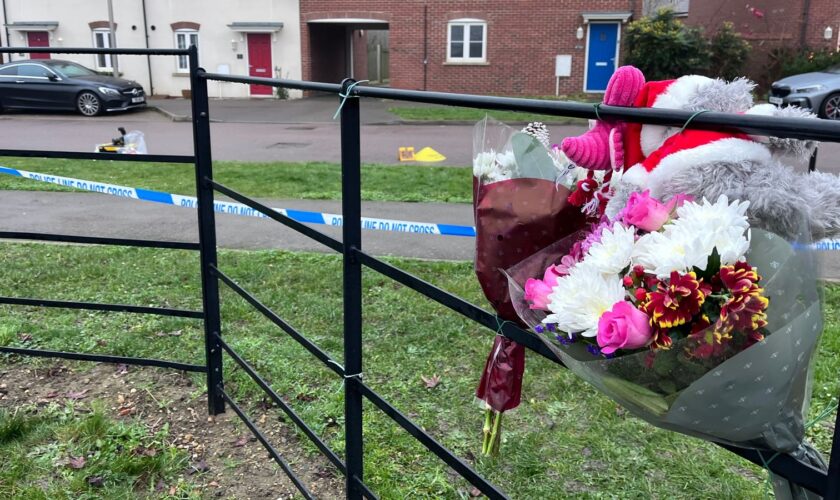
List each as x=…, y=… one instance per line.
x=818, y=91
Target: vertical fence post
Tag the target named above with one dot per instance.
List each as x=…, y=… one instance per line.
x=206, y=234
x=351, y=210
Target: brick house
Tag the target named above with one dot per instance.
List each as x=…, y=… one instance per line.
x=770, y=25
x=475, y=46
x=258, y=37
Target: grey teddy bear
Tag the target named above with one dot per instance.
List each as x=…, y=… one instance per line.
x=709, y=164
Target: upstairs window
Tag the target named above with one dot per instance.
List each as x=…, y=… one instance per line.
x=467, y=41
x=183, y=40
x=102, y=40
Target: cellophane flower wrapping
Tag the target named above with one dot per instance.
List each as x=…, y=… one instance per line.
x=742, y=393
x=520, y=205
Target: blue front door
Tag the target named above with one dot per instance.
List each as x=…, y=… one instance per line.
x=603, y=49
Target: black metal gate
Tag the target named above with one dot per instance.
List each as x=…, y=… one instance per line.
x=355, y=259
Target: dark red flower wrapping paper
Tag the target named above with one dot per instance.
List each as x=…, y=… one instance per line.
x=514, y=219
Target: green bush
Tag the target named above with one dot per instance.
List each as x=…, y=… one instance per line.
x=729, y=52
x=663, y=47
x=806, y=61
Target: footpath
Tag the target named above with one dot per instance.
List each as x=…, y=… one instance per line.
x=90, y=214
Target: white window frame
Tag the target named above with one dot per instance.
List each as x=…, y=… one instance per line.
x=466, y=24
x=182, y=63
x=107, y=45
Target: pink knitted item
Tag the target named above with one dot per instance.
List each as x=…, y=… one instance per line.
x=601, y=147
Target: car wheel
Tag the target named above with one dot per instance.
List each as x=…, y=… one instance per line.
x=830, y=108
x=88, y=103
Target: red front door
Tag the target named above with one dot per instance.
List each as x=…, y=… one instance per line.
x=259, y=60
x=38, y=39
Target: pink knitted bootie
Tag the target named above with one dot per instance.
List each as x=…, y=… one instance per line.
x=601, y=147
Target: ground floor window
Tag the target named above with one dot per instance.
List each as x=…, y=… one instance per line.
x=183, y=40
x=102, y=40
x=467, y=41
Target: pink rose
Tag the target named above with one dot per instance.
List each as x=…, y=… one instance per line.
x=645, y=212
x=678, y=200
x=537, y=291
x=623, y=327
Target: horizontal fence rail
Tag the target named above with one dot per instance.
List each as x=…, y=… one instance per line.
x=93, y=50
x=104, y=358
x=98, y=240
x=81, y=155
x=795, y=128
x=96, y=306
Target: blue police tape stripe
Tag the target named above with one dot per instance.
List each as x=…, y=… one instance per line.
x=155, y=196
x=10, y=171
x=306, y=217
x=451, y=230
x=303, y=216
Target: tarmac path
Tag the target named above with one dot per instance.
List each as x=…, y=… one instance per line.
x=90, y=214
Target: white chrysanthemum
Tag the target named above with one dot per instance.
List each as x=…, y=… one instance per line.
x=484, y=164
x=612, y=253
x=493, y=167
x=720, y=225
x=688, y=241
x=580, y=298
x=506, y=161
x=673, y=250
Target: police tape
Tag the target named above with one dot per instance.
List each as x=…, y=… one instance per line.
x=303, y=216
x=224, y=207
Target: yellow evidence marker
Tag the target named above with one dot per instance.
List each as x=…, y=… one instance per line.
x=428, y=155
x=406, y=153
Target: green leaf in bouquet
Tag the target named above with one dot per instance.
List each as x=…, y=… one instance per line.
x=665, y=361
x=532, y=158
x=667, y=386
x=712, y=266
x=638, y=395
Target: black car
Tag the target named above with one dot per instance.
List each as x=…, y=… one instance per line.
x=51, y=84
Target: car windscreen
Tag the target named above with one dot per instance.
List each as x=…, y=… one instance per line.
x=72, y=70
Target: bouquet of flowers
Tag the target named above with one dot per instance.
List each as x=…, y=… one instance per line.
x=521, y=205
x=685, y=315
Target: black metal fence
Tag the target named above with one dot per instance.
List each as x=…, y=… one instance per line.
x=355, y=259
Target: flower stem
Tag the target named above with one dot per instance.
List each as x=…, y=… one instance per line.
x=488, y=417
x=496, y=435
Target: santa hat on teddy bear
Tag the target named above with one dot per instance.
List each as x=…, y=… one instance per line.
x=654, y=153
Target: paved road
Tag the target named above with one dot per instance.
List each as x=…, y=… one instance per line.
x=234, y=141
x=315, y=141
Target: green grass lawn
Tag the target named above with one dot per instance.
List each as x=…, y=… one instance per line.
x=447, y=113
x=311, y=180
x=59, y=452
x=565, y=440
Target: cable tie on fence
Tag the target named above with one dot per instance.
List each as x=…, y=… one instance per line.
x=347, y=94
x=500, y=325
x=597, y=107
x=766, y=463
x=359, y=375
x=693, y=116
